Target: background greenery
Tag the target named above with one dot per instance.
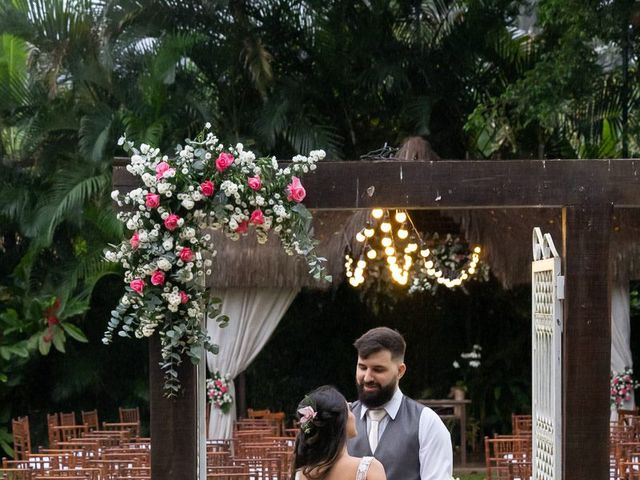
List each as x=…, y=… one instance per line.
x=478, y=78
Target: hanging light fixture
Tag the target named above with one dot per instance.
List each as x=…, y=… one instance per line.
x=409, y=258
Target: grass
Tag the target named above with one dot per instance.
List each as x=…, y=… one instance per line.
x=469, y=476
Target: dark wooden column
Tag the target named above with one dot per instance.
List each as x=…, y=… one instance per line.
x=586, y=341
x=174, y=433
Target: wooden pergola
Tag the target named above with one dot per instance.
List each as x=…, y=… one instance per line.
x=587, y=191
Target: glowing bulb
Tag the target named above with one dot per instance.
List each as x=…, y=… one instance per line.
x=477, y=250
x=472, y=270
x=353, y=282
x=440, y=280
x=431, y=272
x=402, y=233
x=464, y=276
x=412, y=247
x=401, y=217
x=391, y=260
x=429, y=264
x=347, y=257
x=377, y=213
x=408, y=261
x=362, y=264
x=360, y=237
x=371, y=254
x=386, y=242
x=385, y=227
x=425, y=253
x=389, y=251
x=438, y=274
x=457, y=282
x=368, y=232
x=349, y=274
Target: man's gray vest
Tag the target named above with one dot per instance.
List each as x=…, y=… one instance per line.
x=399, y=446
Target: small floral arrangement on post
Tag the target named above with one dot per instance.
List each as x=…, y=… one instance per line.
x=218, y=391
x=622, y=386
x=468, y=363
x=205, y=185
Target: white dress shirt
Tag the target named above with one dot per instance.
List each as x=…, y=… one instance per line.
x=436, y=452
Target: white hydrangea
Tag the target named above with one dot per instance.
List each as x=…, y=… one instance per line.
x=164, y=264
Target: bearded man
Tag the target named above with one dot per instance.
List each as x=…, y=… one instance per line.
x=408, y=438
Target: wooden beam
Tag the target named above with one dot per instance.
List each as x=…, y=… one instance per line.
x=586, y=341
x=461, y=184
x=174, y=423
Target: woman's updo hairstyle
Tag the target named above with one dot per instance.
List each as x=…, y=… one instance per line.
x=322, y=434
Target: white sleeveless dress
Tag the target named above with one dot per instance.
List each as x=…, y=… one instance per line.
x=361, y=473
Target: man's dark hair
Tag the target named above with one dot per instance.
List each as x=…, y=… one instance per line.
x=381, y=338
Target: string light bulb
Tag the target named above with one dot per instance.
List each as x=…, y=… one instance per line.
x=386, y=242
x=372, y=254
x=389, y=251
x=385, y=227
x=402, y=233
x=360, y=237
x=401, y=217
x=377, y=213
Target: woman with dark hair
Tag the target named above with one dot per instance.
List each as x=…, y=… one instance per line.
x=321, y=446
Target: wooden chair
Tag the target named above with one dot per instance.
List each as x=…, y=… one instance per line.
x=21, y=437
x=129, y=415
x=252, y=413
x=630, y=470
x=278, y=419
x=16, y=474
x=503, y=453
x=90, y=418
x=68, y=419
x=521, y=424
x=53, y=420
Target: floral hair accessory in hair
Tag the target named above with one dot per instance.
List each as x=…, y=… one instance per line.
x=307, y=415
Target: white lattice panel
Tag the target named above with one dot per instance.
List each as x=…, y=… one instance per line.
x=547, y=291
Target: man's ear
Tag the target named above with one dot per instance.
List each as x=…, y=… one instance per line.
x=401, y=369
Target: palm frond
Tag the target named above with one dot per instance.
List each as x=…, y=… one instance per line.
x=70, y=191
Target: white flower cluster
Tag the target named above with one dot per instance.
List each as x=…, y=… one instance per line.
x=205, y=185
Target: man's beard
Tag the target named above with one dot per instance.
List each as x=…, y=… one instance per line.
x=376, y=398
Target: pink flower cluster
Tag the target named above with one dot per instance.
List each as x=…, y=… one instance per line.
x=622, y=386
x=218, y=392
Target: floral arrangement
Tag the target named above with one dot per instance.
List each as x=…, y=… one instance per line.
x=307, y=414
x=169, y=252
x=467, y=363
x=218, y=391
x=622, y=386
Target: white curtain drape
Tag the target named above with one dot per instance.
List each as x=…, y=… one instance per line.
x=254, y=314
x=620, y=333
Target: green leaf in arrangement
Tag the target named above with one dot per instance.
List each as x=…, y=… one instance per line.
x=74, y=332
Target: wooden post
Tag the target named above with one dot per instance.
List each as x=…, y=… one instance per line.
x=586, y=341
x=174, y=432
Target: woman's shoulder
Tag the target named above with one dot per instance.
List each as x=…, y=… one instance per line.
x=376, y=470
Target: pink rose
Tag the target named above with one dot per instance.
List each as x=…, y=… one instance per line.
x=207, y=188
x=242, y=227
x=153, y=200
x=257, y=217
x=157, y=277
x=295, y=190
x=134, y=241
x=254, y=183
x=184, y=298
x=161, y=169
x=137, y=285
x=171, y=222
x=223, y=389
x=186, y=254
x=224, y=161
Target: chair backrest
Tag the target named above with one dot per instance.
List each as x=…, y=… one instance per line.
x=521, y=424
x=90, y=418
x=252, y=413
x=21, y=437
x=53, y=420
x=129, y=415
x=68, y=418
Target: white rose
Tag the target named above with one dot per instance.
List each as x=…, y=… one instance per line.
x=188, y=203
x=164, y=264
x=163, y=188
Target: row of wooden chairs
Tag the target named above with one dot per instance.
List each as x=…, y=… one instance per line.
x=508, y=457
x=624, y=446
x=257, y=450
